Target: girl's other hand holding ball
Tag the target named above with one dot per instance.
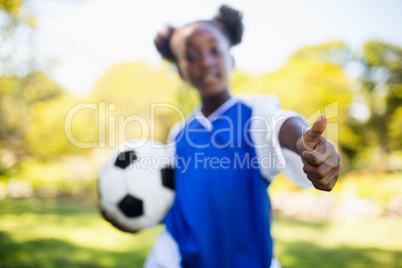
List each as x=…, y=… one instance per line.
x=110, y=219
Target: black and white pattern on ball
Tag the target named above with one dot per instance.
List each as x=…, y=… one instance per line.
x=167, y=177
x=131, y=206
x=136, y=184
x=125, y=159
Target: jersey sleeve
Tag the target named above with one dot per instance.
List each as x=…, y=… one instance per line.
x=267, y=120
x=293, y=168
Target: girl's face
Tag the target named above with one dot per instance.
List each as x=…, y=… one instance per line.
x=203, y=57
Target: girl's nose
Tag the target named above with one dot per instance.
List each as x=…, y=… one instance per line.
x=207, y=59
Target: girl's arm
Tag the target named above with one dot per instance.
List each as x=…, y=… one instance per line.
x=290, y=132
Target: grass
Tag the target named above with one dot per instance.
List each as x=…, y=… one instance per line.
x=38, y=233
x=370, y=243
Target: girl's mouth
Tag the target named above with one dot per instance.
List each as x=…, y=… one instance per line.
x=210, y=78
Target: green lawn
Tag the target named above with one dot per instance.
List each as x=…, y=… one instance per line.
x=70, y=234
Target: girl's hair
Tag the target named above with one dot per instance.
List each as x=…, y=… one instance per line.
x=228, y=20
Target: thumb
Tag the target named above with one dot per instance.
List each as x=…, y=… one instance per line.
x=311, y=137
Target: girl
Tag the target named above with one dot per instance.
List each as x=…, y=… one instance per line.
x=226, y=154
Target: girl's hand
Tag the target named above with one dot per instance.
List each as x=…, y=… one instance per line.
x=110, y=219
x=320, y=159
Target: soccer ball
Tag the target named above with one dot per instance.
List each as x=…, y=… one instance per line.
x=136, y=185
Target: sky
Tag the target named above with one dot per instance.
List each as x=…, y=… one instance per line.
x=86, y=37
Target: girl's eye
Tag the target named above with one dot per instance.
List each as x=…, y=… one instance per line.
x=215, y=50
x=192, y=56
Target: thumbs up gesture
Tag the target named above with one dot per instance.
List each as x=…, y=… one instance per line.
x=320, y=159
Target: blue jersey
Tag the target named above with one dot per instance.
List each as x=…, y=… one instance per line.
x=223, y=166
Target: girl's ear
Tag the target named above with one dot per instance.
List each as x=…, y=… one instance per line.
x=180, y=73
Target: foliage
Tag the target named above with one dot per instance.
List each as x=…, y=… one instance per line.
x=381, y=85
x=11, y=7
x=131, y=88
x=19, y=96
x=17, y=22
x=15, y=12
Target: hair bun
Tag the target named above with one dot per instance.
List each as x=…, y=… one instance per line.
x=231, y=19
x=162, y=43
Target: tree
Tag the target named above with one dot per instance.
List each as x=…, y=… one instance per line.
x=16, y=27
x=381, y=85
x=18, y=97
x=131, y=88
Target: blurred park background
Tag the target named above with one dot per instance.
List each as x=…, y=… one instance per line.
x=48, y=197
